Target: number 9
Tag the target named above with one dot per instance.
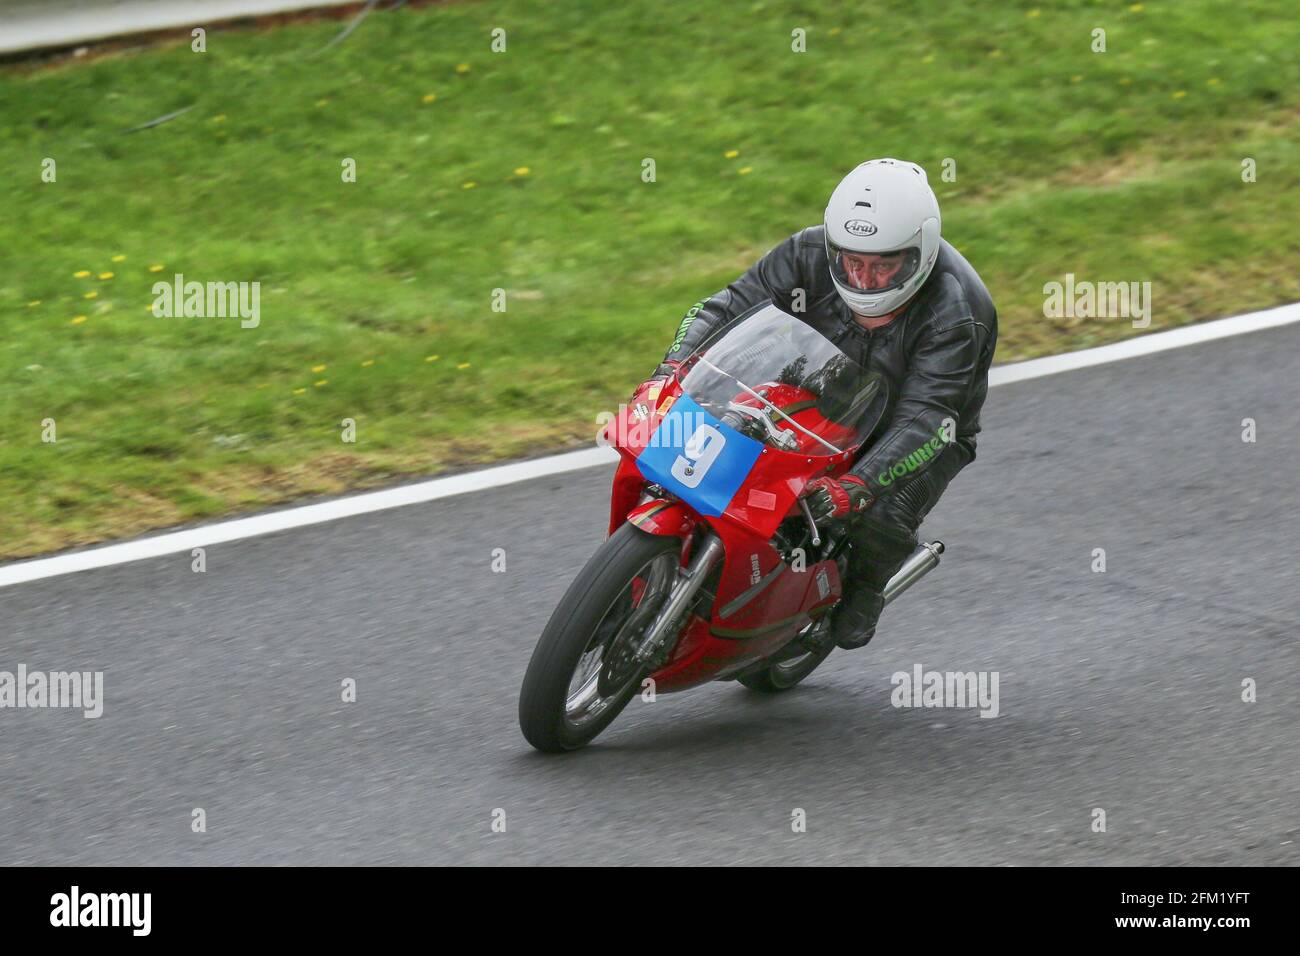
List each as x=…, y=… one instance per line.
x=701, y=451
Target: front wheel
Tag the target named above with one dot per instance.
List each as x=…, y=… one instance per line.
x=582, y=673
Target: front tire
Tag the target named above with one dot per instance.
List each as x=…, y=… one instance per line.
x=565, y=701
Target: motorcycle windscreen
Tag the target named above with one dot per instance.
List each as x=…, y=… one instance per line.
x=776, y=363
x=697, y=457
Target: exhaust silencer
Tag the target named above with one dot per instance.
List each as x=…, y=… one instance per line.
x=922, y=561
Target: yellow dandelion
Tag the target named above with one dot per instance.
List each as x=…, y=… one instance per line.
x=731, y=153
x=92, y=295
x=430, y=97
x=299, y=391
x=156, y=268
x=1077, y=78
x=319, y=368
x=367, y=363
x=82, y=274
x=432, y=358
x=462, y=67
x=928, y=58
x=1034, y=14
x=320, y=103
x=106, y=275
x=219, y=118
x=323, y=381
x=119, y=258
x=745, y=170
x=149, y=309
x=1136, y=8
x=522, y=171
x=34, y=303
x=469, y=185
x=78, y=320
x=463, y=365
x=995, y=53
x=1213, y=81
x=1180, y=94
x=834, y=31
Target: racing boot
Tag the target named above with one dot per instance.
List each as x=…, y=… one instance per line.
x=874, y=558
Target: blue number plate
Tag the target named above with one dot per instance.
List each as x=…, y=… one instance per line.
x=697, y=457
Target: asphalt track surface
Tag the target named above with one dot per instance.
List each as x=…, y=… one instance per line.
x=1118, y=690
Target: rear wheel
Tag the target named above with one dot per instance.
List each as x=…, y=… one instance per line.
x=583, y=672
x=791, y=665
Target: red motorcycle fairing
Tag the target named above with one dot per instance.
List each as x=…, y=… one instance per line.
x=761, y=603
x=781, y=605
x=767, y=497
x=663, y=517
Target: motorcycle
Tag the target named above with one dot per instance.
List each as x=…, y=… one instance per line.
x=714, y=568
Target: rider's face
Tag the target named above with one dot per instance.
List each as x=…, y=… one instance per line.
x=869, y=271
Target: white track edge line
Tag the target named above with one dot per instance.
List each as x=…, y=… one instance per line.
x=498, y=475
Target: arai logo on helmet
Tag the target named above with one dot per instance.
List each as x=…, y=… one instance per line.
x=859, y=227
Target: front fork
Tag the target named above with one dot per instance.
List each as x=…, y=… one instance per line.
x=689, y=581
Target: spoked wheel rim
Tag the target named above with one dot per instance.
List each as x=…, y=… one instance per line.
x=624, y=620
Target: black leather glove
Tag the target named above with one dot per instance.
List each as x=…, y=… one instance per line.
x=837, y=498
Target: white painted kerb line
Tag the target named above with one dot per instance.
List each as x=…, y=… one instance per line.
x=35, y=26
x=1146, y=344
x=494, y=477
x=303, y=515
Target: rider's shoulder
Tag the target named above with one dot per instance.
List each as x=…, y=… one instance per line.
x=954, y=293
x=811, y=237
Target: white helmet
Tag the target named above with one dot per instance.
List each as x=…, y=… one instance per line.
x=885, y=207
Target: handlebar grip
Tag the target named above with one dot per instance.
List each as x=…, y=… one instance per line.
x=734, y=420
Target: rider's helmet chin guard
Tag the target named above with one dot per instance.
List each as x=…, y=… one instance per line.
x=883, y=207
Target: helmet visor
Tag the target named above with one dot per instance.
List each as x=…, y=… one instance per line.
x=872, y=271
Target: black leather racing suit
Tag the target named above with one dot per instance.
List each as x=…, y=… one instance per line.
x=935, y=356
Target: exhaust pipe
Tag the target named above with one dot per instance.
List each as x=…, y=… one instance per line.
x=923, y=560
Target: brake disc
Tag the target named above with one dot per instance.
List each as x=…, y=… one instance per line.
x=619, y=663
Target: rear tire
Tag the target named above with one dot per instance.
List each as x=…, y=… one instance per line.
x=772, y=678
x=553, y=716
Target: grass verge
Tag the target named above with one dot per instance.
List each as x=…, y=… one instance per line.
x=522, y=171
